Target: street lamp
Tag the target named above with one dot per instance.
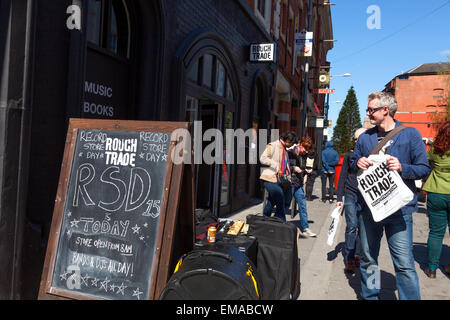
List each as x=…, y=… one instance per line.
x=342, y=75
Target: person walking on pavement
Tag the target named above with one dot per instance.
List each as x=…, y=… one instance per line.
x=312, y=170
x=438, y=199
x=330, y=159
x=347, y=181
x=300, y=165
x=408, y=157
x=275, y=163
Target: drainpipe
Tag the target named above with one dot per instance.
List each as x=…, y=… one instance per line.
x=306, y=84
x=17, y=44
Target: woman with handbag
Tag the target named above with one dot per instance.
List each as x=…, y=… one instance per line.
x=438, y=199
x=276, y=174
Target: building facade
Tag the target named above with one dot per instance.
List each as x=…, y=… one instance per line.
x=289, y=18
x=162, y=60
x=422, y=95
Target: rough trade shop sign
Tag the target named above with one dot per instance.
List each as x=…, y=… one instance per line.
x=262, y=52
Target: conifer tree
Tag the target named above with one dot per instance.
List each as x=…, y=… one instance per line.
x=348, y=122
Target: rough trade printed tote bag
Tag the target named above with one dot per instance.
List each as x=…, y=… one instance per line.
x=383, y=190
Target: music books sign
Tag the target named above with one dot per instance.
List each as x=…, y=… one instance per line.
x=261, y=52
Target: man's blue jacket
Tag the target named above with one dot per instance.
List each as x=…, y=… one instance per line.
x=330, y=157
x=407, y=146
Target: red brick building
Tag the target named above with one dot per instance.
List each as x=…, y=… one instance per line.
x=422, y=96
x=282, y=19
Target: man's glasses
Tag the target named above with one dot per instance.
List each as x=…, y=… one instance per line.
x=372, y=111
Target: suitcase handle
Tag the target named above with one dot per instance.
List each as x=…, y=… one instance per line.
x=204, y=253
x=263, y=218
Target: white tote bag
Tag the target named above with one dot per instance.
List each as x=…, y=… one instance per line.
x=383, y=190
x=335, y=216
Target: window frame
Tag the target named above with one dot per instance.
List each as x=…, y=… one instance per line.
x=106, y=10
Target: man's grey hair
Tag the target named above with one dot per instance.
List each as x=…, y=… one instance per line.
x=385, y=99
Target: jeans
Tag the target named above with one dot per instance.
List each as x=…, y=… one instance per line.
x=330, y=177
x=278, y=198
x=310, y=184
x=438, y=206
x=399, y=234
x=299, y=196
x=352, y=242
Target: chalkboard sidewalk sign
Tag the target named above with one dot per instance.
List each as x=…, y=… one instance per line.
x=122, y=208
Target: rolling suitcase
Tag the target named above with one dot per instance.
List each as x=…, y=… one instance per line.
x=277, y=259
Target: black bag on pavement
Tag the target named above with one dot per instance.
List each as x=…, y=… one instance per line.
x=223, y=273
x=277, y=260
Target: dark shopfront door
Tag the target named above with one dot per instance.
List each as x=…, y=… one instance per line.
x=208, y=175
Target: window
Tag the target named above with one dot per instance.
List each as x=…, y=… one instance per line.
x=262, y=7
x=191, y=108
x=226, y=168
x=218, y=81
x=193, y=72
x=284, y=22
x=230, y=95
x=207, y=70
x=94, y=21
x=108, y=26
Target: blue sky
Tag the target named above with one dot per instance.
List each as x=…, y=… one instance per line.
x=412, y=36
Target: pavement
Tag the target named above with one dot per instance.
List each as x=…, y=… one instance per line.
x=322, y=274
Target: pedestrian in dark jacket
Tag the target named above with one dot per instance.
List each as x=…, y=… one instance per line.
x=312, y=170
x=348, y=186
x=330, y=159
x=301, y=166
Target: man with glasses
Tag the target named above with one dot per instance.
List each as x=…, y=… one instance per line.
x=407, y=155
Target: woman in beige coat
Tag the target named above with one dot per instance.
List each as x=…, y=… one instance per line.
x=275, y=162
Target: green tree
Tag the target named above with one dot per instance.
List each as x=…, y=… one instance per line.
x=348, y=122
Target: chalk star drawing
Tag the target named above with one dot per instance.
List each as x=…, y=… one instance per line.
x=104, y=284
x=94, y=282
x=74, y=223
x=137, y=293
x=136, y=229
x=69, y=233
x=102, y=156
x=112, y=287
x=146, y=225
x=141, y=238
x=80, y=154
x=85, y=280
x=164, y=157
x=121, y=288
x=63, y=276
x=142, y=155
x=69, y=214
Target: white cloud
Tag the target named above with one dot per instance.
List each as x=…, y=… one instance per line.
x=445, y=52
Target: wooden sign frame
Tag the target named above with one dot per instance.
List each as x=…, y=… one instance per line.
x=177, y=208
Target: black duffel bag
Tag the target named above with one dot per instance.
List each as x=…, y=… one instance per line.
x=225, y=274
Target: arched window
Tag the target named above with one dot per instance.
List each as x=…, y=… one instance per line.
x=108, y=26
x=209, y=72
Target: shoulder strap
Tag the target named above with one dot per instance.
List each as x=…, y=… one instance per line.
x=386, y=139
